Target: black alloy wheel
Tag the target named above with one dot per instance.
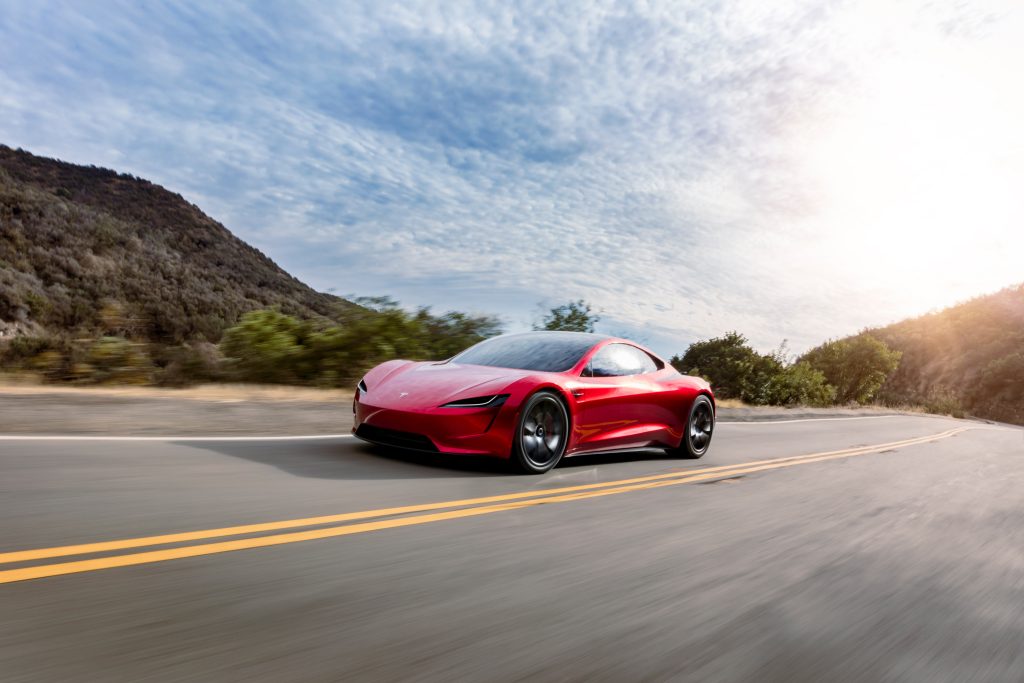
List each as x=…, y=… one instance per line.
x=699, y=428
x=542, y=434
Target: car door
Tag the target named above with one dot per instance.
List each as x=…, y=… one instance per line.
x=614, y=403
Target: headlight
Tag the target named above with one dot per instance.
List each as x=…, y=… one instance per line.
x=479, y=402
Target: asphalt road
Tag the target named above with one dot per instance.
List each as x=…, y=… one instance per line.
x=897, y=558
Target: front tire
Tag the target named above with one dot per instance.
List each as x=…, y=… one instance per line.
x=542, y=433
x=700, y=425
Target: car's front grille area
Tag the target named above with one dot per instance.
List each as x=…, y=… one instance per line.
x=393, y=437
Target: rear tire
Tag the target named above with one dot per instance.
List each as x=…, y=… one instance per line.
x=700, y=425
x=542, y=433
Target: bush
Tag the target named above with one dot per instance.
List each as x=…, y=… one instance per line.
x=45, y=356
x=112, y=360
x=189, y=363
x=857, y=367
x=800, y=384
x=22, y=348
x=943, y=402
x=266, y=346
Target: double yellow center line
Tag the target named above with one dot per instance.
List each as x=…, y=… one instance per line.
x=384, y=518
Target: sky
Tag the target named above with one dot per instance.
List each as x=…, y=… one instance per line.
x=791, y=170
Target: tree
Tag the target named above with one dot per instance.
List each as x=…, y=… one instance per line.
x=453, y=332
x=575, y=316
x=857, y=367
x=733, y=367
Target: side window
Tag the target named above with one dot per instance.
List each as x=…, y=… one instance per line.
x=618, y=360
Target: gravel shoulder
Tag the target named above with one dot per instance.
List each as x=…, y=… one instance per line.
x=105, y=414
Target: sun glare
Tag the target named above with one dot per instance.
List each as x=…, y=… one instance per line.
x=918, y=180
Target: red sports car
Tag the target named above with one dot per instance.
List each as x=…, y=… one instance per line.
x=536, y=397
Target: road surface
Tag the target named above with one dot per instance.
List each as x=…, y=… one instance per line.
x=893, y=552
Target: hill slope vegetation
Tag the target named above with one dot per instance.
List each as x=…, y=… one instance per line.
x=969, y=356
x=86, y=249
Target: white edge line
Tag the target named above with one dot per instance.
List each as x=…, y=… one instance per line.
x=813, y=419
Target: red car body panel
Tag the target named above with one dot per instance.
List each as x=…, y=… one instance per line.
x=403, y=405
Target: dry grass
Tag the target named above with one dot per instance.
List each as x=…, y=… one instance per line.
x=899, y=408
x=204, y=392
x=731, y=403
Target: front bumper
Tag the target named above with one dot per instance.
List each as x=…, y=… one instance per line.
x=465, y=431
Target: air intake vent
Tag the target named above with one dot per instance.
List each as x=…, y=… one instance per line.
x=393, y=437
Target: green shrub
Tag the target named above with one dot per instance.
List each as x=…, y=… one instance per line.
x=266, y=346
x=22, y=348
x=189, y=363
x=943, y=402
x=113, y=360
x=800, y=384
x=857, y=367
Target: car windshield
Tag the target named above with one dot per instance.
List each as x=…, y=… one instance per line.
x=542, y=352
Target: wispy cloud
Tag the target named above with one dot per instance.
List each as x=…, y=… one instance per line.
x=664, y=163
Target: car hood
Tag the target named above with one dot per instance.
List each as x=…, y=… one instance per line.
x=421, y=386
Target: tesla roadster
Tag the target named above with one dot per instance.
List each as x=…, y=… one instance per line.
x=534, y=398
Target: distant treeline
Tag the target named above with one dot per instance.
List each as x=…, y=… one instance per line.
x=266, y=346
x=269, y=346
x=836, y=373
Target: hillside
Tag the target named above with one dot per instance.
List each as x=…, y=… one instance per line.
x=87, y=251
x=971, y=354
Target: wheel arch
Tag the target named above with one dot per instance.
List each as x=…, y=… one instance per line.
x=711, y=397
x=560, y=392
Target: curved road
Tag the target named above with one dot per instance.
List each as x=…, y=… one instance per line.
x=892, y=551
